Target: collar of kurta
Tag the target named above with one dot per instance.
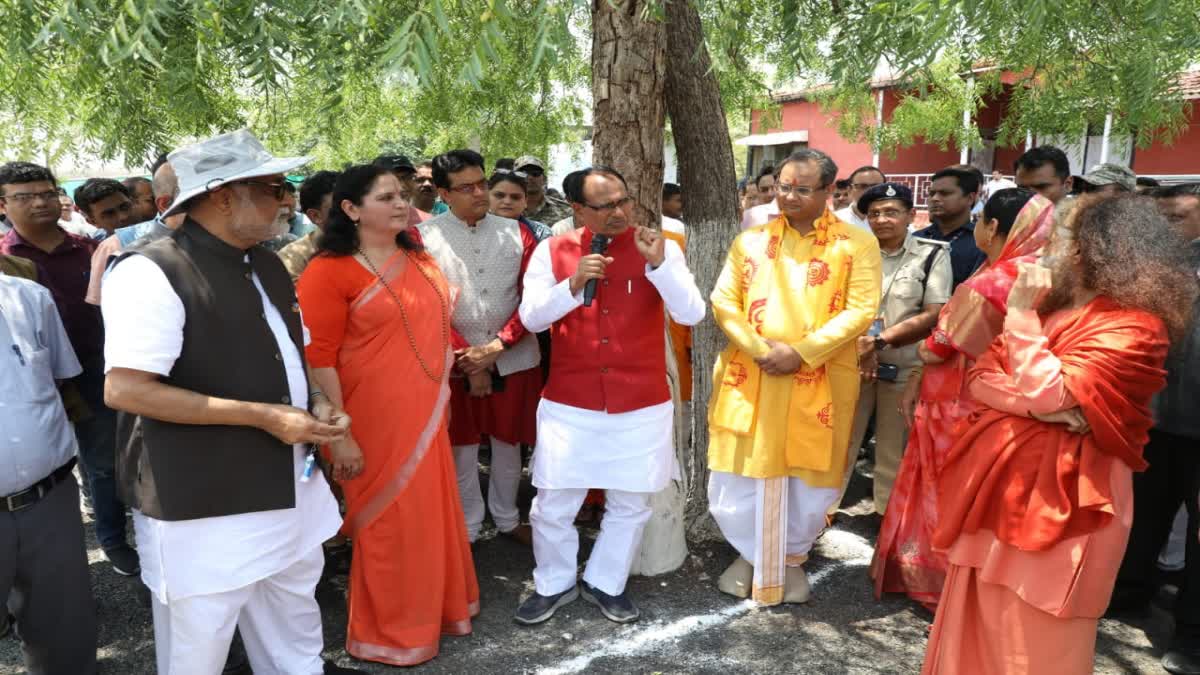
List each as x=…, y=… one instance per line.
x=487, y=219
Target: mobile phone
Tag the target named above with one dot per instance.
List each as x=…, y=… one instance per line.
x=888, y=372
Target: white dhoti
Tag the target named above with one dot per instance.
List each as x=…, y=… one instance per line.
x=628, y=455
x=278, y=616
x=772, y=522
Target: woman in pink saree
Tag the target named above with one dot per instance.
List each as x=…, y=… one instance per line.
x=1014, y=227
x=379, y=312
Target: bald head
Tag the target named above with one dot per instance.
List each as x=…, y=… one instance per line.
x=165, y=184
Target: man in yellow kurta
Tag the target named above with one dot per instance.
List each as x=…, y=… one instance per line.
x=793, y=297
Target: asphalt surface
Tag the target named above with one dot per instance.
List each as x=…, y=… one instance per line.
x=687, y=626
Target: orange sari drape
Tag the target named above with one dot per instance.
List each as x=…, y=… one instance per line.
x=412, y=578
x=1034, y=518
x=905, y=561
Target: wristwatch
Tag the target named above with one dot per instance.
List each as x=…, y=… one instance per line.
x=880, y=343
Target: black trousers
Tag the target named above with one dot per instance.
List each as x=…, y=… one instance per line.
x=44, y=582
x=1173, y=478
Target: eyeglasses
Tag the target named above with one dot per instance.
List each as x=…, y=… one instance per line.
x=277, y=189
x=888, y=214
x=468, y=188
x=533, y=171
x=510, y=172
x=26, y=197
x=864, y=186
x=611, y=206
x=798, y=190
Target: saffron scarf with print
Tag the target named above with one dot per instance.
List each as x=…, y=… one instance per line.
x=768, y=289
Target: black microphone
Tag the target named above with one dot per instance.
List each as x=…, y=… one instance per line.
x=599, y=245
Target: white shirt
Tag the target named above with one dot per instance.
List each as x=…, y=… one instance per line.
x=35, y=436
x=81, y=228
x=993, y=186
x=847, y=214
x=579, y=448
x=144, y=320
x=760, y=215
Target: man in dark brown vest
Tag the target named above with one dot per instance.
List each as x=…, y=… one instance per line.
x=206, y=345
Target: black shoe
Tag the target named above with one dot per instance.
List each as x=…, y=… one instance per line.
x=332, y=668
x=1182, y=661
x=124, y=560
x=538, y=608
x=617, y=608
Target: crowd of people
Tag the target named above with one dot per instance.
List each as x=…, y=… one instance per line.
x=282, y=382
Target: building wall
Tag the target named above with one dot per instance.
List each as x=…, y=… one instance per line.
x=1182, y=157
x=822, y=135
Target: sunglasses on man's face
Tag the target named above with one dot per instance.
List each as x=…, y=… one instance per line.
x=278, y=189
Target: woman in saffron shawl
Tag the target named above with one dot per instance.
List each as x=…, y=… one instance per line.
x=1014, y=227
x=1036, y=497
x=379, y=311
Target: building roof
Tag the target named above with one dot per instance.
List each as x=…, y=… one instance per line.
x=1189, y=84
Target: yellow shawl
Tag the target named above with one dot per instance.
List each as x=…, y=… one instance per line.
x=810, y=409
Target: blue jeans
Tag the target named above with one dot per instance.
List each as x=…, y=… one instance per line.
x=97, y=438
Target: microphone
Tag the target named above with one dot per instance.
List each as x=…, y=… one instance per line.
x=599, y=245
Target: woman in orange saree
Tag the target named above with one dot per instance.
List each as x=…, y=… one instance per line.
x=1014, y=227
x=1036, y=500
x=378, y=310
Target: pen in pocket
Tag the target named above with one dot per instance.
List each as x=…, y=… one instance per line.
x=20, y=356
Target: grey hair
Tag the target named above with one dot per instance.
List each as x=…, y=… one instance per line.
x=1131, y=254
x=829, y=169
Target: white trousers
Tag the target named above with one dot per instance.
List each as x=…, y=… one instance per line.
x=503, y=482
x=279, y=619
x=556, y=541
x=772, y=522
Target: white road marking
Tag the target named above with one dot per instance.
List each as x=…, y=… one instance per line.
x=838, y=541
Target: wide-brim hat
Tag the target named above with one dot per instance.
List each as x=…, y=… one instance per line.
x=207, y=165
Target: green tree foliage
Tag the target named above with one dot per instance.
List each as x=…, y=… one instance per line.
x=342, y=78
x=338, y=79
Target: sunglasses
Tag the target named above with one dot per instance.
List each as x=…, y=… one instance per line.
x=278, y=189
x=510, y=172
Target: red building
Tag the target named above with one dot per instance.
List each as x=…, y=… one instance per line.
x=803, y=124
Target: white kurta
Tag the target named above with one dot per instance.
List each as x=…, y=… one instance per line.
x=579, y=448
x=144, y=320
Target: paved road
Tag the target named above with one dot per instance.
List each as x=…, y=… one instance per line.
x=687, y=626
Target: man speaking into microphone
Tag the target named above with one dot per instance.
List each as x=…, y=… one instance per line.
x=605, y=418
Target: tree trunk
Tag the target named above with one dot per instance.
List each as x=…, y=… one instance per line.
x=710, y=209
x=628, y=72
x=629, y=66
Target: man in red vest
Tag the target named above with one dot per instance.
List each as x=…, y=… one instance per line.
x=605, y=419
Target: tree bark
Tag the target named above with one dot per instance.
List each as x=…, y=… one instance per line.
x=709, y=182
x=628, y=74
x=628, y=71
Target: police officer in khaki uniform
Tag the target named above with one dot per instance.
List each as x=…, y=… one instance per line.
x=917, y=280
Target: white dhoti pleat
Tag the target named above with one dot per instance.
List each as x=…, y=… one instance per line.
x=278, y=616
x=556, y=540
x=772, y=522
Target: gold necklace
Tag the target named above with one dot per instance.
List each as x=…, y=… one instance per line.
x=412, y=341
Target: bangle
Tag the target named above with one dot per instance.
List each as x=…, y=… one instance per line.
x=315, y=394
